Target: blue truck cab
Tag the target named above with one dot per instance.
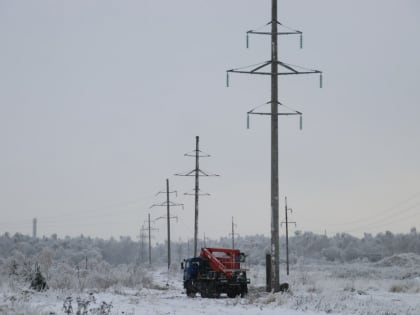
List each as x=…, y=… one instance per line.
x=192, y=267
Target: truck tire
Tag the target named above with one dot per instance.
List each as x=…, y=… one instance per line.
x=244, y=291
x=232, y=293
x=190, y=289
x=190, y=293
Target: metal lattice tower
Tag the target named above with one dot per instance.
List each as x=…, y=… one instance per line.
x=274, y=68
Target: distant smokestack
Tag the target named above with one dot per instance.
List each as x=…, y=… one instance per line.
x=34, y=221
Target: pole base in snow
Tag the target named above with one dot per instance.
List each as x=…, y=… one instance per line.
x=284, y=287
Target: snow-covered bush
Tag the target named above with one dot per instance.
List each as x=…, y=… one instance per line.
x=405, y=286
x=351, y=253
x=332, y=253
x=62, y=276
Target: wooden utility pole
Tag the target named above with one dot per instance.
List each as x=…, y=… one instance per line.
x=286, y=210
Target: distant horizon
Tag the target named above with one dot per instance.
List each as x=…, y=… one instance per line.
x=136, y=238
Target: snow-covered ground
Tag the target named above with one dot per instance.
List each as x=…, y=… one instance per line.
x=391, y=286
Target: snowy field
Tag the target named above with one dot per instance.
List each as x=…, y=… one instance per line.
x=390, y=286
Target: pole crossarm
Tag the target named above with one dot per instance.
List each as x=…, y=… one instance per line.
x=200, y=173
x=291, y=112
x=198, y=153
x=288, y=222
x=168, y=192
x=151, y=229
x=165, y=204
x=286, y=31
x=146, y=228
x=278, y=33
x=196, y=193
x=165, y=217
x=289, y=70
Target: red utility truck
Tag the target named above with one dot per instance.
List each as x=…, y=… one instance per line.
x=216, y=271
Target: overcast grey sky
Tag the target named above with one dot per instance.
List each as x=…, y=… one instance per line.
x=99, y=101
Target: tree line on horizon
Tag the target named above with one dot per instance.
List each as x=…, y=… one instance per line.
x=78, y=262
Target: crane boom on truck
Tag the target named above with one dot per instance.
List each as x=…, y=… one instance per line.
x=216, y=271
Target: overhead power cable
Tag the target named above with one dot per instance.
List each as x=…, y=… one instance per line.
x=379, y=214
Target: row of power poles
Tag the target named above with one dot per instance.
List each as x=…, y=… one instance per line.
x=168, y=204
x=196, y=173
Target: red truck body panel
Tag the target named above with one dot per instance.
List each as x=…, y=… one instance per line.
x=223, y=260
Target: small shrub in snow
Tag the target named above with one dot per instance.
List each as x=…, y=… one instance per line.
x=332, y=253
x=313, y=289
x=83, y=304
x=62, y=276
x=405, y=286
x=103, y=309
x=398, y=288
x=38, y=282
x=67, y=307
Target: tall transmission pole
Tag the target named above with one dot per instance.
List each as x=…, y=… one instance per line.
x=196, y=172
x=142, y=237
x=233, y=233
x=204, y=240
x=286, y=210
x=286, y=69
x=150, y=229
x=168, y=204
x=34, y=226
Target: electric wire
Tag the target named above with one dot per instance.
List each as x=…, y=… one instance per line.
x=387, y=223
x=392, y=209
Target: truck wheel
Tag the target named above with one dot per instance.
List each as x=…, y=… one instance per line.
x=231, y=294
x=190, y=289
x=244, y=291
